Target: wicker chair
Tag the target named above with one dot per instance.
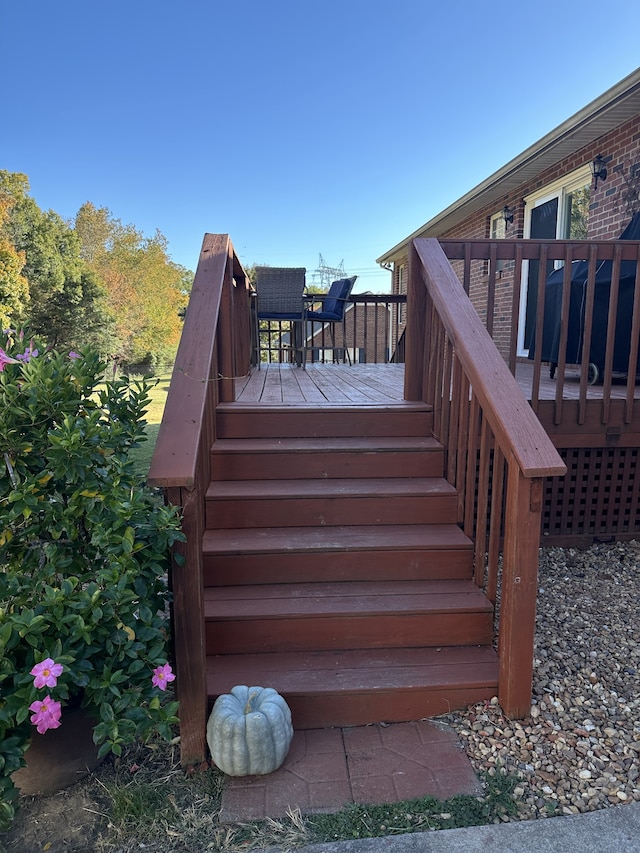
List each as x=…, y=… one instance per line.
x=280, y=298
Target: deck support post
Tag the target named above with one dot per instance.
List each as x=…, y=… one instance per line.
x=188, y=630
x=416, y=329
x=519, y=591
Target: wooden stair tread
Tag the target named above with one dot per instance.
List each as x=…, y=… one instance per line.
x=306, y=420
x=346, y=487
x=348, y=585
x=408, y=406
x=359, y=537
x=356, y=670
x=357, y=598
x=326, y=444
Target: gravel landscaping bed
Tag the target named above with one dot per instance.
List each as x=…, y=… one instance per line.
x=580, y=749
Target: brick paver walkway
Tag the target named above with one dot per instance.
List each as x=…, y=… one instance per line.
x=328, y=768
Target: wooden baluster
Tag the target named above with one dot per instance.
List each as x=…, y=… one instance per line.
x=587, y=330
x=495, y=523
x=633, y=352
x=515, y=308
x=483, y=501
x=611, y=333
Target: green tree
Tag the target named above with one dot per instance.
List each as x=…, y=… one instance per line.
x=76, y=316
x=145, y=289
x=51, y=248
x=95, y=229
x=59, y=300
x=14, y=288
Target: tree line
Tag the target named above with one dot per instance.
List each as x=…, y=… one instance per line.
x=93, y=281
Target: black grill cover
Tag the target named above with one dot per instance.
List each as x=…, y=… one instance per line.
x=577, y=307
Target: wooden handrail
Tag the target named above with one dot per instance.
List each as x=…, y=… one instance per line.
x=480, y=249
x=196, y=370
x=506, y=408
x=214, y=349
x=492, y=438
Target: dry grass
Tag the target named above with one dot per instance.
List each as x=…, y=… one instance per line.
x=145, y=801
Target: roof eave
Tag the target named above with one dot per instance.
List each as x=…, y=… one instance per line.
x=612, y=108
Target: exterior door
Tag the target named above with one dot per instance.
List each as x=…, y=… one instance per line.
x=559, y=211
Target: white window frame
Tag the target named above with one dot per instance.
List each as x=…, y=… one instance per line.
x=497, y=231
x=497, y=227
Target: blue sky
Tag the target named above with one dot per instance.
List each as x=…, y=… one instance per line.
x=300, y=128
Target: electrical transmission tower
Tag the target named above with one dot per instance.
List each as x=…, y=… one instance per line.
x=324, y=275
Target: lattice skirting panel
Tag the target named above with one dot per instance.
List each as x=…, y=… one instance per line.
x=599, y=496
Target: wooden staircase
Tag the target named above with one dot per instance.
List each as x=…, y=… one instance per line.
x=335, y=570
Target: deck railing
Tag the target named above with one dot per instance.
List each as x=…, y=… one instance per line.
x=497, y=453
x=492, y=273
x=370, y=331
x=214, y=351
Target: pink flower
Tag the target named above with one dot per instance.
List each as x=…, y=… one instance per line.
x=28, y=354
x=46, y=673
x=162, y=675
x=6, y=359
x=46, y=714
x=74, y=355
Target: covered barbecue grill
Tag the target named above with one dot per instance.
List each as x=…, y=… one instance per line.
x=577, y=308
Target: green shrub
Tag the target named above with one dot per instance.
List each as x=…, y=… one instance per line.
x=84, y=554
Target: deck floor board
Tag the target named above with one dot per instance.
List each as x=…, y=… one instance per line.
x=378, y=384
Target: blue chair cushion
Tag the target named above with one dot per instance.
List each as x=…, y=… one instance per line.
x=275, y=315
x=334, y=303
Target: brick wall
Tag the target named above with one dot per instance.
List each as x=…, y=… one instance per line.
x=611, y=207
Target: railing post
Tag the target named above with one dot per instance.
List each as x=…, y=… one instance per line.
x=188, y=628
x=243, y=321
x=226, y=334
x=415, y=330
x=519, y=591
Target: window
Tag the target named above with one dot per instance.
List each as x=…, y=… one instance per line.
x=498, y=227
x=402, y=289
x=559, y=211
x=577, y=213
x=571, y=194
x=498, y=231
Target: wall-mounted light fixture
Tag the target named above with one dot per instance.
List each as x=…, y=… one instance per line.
x=599, y=169
x=507, y=215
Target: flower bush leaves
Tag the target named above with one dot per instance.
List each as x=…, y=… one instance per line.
x=85, y=549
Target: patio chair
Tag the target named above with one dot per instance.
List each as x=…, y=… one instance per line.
x=280, y=298
x=333, y=308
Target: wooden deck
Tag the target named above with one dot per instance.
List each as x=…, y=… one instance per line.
x=341, y=423
x=371, y=384
x=323, y=384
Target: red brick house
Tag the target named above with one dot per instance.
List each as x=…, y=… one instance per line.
x=548, y=194
x=547, y=191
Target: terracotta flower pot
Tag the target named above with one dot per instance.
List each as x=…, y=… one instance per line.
x=59, y=757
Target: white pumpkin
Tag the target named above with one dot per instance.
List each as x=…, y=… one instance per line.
x=249, y=731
